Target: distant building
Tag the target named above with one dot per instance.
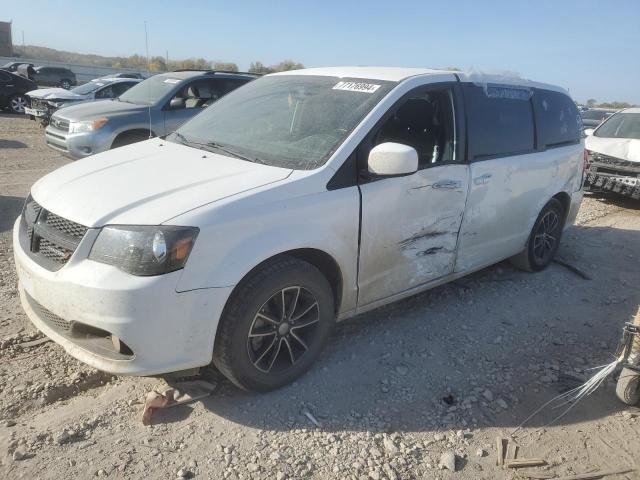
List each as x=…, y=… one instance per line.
x=6, y=45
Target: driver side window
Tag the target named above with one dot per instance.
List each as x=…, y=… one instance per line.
x=424, y=121
x=106, y=92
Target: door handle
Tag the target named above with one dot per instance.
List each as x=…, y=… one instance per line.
x=447, y=184
x=482, y=179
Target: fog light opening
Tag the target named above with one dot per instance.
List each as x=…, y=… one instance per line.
x=120, y=346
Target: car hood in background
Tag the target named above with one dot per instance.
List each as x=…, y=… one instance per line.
x=623, y=148
x=101, y=108
x=147, y=183
x=56, y=94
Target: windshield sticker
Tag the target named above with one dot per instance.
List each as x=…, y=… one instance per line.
x=356, y=87
x=510, y=93
x=172, y=80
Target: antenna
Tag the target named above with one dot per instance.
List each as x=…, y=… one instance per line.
x=146, y=42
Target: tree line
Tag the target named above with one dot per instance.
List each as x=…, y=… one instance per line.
x=593, y=103
x=139, y=62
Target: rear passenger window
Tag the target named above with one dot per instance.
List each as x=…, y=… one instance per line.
x=500, y=121
x=557, y=119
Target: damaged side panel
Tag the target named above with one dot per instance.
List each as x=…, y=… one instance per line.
x=409, y=231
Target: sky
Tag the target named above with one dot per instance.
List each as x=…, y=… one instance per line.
x=590, y=47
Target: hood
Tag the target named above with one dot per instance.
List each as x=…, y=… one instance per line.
x=624, y=148
x=55, y=94
x=147, y=183
x=101, y=108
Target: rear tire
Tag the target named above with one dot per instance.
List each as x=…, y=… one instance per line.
x=275, y=325
x=628, y=387
x=544, y=239
x=65, y=83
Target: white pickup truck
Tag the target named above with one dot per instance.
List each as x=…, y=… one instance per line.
x=299, y=199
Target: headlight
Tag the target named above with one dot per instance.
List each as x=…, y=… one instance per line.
x=87, y=125
x=144, y=250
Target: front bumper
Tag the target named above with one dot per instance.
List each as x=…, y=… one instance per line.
x=622, y=181
x=166, y=331
x=77, y=145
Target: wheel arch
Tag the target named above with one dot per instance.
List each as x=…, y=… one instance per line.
x=131, y=132
x=565, y=200
x=320, y=259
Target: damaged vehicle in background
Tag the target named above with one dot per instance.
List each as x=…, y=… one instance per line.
x=613, y=155
x=152, y=108
x=43, y=102
x=302, y=198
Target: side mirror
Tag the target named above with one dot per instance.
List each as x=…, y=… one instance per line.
x=588, y=131
x=177, y=103
x=392, y=159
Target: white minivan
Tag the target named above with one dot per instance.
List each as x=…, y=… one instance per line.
x=298, y=200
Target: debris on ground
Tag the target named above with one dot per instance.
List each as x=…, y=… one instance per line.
x=596, y=475
x=571, y=268
x=525, y=462
x=190, y=391
x=448, y=461
x=311, y=418
x=34, y=343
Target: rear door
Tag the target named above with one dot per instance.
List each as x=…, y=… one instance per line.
x=410, y=224
x=508, y=176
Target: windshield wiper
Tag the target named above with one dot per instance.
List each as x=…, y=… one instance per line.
x=233, y=153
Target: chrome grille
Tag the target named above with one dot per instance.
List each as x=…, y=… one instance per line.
x=59, y=123
x=37, y=103
x=50, y=238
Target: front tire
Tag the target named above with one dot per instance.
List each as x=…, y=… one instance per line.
x=544, y=240
x=17, y=103
x=275, y=325
x=628, y=387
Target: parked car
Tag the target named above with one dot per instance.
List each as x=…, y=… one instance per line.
x=154, y=107
x=44, y=102
x=13, y=66
x=301, y=198
x=593, y=117
x=613, y=154
x=49, y=76
x=125, y=75
x=12, y=91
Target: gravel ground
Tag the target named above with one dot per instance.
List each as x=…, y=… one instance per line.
x=444, y=372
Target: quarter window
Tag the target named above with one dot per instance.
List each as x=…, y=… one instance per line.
x=557, y=119
x=500, y=121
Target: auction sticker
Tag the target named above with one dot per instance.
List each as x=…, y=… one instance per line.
x=172, y=80
x=356, y=87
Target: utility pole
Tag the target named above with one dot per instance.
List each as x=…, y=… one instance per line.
x=22, y=38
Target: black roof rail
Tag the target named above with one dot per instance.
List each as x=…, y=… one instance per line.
x=214, y=71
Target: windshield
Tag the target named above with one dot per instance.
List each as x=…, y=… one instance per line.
x=289, y=121
x=620, y=125
x=149, y=91
x=88, y=87
x=594, y=114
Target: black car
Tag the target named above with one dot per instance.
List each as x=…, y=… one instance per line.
x=12, y=90
x=49, y=76
x=13, y=66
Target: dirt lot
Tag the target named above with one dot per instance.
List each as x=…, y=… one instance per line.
x=448, y=370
